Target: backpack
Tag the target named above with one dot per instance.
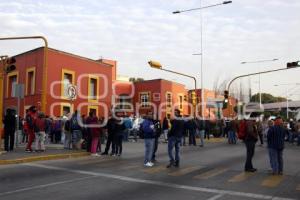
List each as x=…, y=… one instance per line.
x=242, y=130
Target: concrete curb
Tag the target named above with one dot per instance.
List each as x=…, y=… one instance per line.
x=45, y=157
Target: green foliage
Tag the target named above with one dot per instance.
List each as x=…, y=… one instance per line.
x=266, y=98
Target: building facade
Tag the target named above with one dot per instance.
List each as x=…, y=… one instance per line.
x=71, y=82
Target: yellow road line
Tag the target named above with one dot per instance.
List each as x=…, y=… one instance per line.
x=184, y=171
x=272, y=181
x=154, y=170
x=241, y=177
x=44, y=158
x=211, y=173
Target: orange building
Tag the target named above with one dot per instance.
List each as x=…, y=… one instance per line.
x=75, y=82
x=92, y=80
x=159, y=97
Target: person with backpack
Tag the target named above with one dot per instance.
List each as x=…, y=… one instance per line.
x=175, y=136
x=147, y=128
x=250, y=140
x=40, y=134
x=275, y=137
x=76, y=130
x=30, y=118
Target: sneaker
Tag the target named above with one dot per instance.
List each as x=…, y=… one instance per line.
x=151, y=163
x=148, y=164
x=95, y=154
x=119, y=155
x=104, y=153
x=28, y=151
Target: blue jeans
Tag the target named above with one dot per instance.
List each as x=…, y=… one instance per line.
x=149, y=146
x=174, y=142
x=276, y=160
x=231, y=137
x=76, y=136
x=201, y=135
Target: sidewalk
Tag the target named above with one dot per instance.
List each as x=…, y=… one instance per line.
x=52, y=152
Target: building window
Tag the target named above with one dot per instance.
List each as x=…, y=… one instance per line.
x=180, y=102
x=124, y=102
x=30, y=81
x=68, y=78
x=169, y=99
x=145, y=99
x=93, y=88
x=66, y=110
x=93, y=109
x=12, y=80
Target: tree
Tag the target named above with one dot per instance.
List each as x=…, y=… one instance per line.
x=266, y=98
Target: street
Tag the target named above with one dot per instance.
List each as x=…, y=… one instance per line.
x=209, y=173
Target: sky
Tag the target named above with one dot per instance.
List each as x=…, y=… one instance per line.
x=136, y=31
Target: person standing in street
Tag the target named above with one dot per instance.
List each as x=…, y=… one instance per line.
x=110, y=127
x=275, y=138
x=30, y=118
x=40, y=134
x=9, y=130
x=250, y=141
x=147, y=127
x=174, y=139
x=165, y=127
x=157, y=133
x=232, y=131
x=94, y=130
x=76, y=130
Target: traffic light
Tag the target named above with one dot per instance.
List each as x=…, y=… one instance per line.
x=226, y=96
x=193, y=98
x=10, y=65
x=293, y=64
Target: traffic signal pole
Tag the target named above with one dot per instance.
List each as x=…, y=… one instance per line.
x=289, y=66
x=45, y=67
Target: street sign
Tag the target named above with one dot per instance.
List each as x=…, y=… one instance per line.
x=72, y=92
x=18, y=90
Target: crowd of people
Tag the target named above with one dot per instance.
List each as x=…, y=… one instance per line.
x=81, y=132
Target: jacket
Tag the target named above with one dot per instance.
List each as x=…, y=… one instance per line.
x=275, y=136
x=177, y=128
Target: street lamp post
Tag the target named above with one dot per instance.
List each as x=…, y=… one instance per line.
x=259, y=61
x=157, y=65
x=201, y=41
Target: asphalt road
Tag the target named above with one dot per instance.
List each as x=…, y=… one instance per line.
x=214, y=172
